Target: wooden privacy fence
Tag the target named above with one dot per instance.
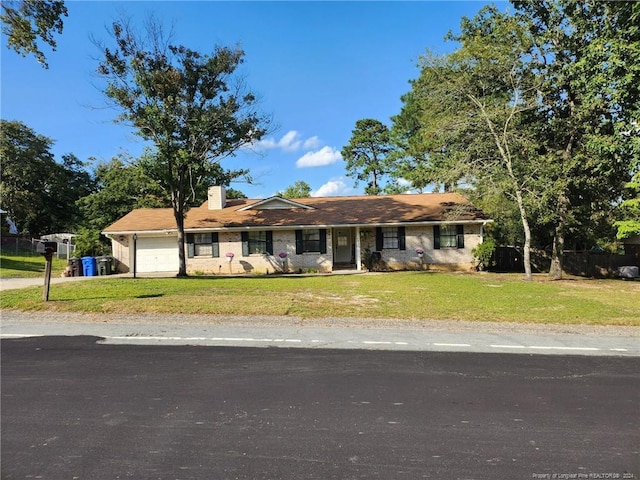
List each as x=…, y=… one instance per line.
x=511, y=259
x=595, y=264
x=581, y=263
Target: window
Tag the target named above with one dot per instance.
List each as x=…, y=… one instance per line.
x=448, y=236
x=202, y=245
x=257, y=242
x=343, y=239
x=311, y=240
x=389, y=238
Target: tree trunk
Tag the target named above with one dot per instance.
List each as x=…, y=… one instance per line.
x=182, y=260
x=555, y=271
x=527, y=234
x=177, y=202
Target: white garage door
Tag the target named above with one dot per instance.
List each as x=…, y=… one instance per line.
x=157, y=254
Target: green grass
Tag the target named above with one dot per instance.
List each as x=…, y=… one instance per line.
x=401, y=295
x=24, y=267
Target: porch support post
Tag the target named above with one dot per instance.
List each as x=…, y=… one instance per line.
x=358, y=256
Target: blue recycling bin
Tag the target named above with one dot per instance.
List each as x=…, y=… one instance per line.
x=89, y=266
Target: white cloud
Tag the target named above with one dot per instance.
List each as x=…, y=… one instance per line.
x=290, y=142
x=320, y=158
x=333, y=188
x=311, y=143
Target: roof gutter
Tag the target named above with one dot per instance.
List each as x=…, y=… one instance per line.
x=483, y=223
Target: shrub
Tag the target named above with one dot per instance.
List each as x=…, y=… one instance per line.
x=89, y=242
x=483, y=253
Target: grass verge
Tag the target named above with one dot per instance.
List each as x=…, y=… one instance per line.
x=401, y=295
x=27, y=267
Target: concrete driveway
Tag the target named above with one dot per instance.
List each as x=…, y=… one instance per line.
x=15, y=283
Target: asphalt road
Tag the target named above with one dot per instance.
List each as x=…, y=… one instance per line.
x=73, y=408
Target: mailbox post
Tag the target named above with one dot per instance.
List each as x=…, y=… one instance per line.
x=47, y=249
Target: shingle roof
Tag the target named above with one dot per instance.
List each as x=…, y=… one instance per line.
x=326, y=211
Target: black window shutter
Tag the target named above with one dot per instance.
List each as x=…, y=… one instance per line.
x=269, y=242
x=245, y=243
x=379, y=239
x=436, y=237
x=215, y=246
x=402, y=244
x=191, y=251
x=460, y=236
x=323, y=240
x=298, y=242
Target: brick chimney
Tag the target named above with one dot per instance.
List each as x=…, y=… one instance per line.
x=217, y=198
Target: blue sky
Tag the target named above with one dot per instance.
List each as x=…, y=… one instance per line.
x=317, y=67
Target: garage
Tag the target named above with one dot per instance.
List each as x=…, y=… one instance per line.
x=157, y=254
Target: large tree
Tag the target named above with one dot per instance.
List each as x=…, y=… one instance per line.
x=546, y=91
x=367, y=154
x=467, y=110
x=39, y=193
x=587, y=56
x=26, y=21
x=191, y=106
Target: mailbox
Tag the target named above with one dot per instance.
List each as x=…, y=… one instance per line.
x=47, y=247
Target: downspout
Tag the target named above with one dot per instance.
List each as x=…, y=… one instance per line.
x=482, y=231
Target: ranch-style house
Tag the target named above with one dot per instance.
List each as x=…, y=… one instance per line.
x=316, y=234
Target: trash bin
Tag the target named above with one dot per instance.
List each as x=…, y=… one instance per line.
x=104, y=265
x=89, y=267
x=75, y=266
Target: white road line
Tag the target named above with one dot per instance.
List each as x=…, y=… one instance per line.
x=541, y=347
x=213, y=339
x=21, y=335
x=134, y=338
x=142, y=337
x=545, y=347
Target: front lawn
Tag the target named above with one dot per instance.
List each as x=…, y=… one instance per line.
x=401, y=295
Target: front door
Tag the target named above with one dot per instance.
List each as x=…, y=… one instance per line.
x=342, y=245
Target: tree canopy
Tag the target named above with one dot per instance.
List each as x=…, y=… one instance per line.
x=367, y=154
x=26, y=21
x=121, y=186
x=39, y=193
x=300, y=189
x=628, y=224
